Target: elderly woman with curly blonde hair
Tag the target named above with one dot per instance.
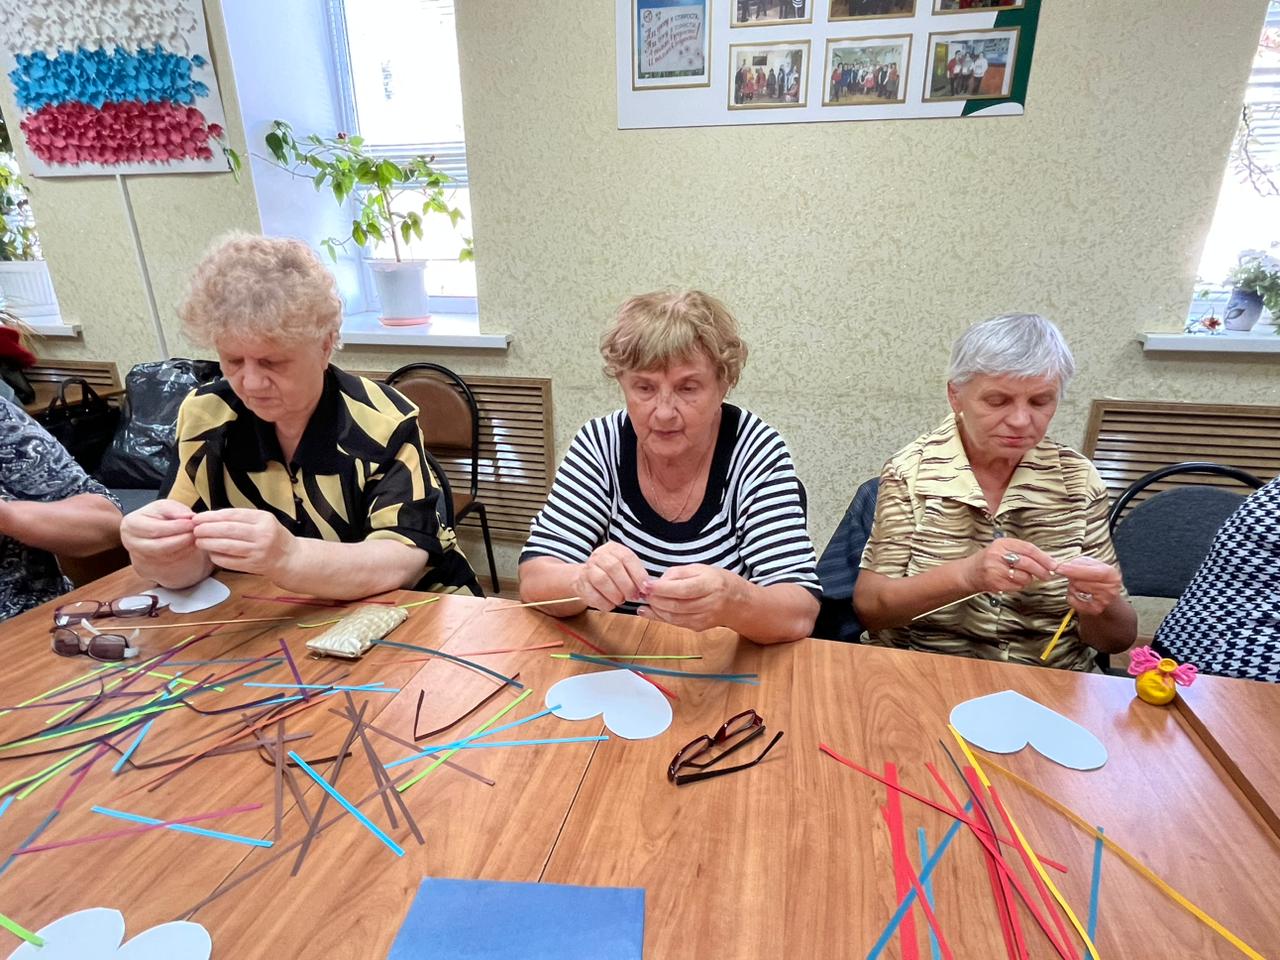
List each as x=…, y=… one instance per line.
x=680, y=507
x=289, y=467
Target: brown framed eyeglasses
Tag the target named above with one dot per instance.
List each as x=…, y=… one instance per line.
x=137, y=605
x=104, y=647
x=700, y=754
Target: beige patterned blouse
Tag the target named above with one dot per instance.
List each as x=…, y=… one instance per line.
x=930, y=510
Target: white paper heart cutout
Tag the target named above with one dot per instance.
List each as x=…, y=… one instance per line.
x=96, y=935
x=1006, y=722
x=632, y=708
x=203, y=595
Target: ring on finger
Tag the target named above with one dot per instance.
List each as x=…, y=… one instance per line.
x=1011, y=558
x=1083, y=595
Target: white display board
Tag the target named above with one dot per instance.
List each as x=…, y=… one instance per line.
x=806, y=61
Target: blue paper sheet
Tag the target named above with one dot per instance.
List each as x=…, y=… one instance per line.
x=491, y=920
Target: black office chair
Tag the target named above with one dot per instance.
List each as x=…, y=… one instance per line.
x=450, y=420
x=1161, y=542
x=838, y=567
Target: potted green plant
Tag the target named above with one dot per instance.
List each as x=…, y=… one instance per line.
x=1255, y=283
x=25, y=286
x=377, y=186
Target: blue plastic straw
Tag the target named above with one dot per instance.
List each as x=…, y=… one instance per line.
x=449, y=656
x=35, y=834
x=1095, y=884
x=475, y=736
x=332, y=688
x=124, y=757
x=934, y=950
x=8, y=802
x=926, y=871
x=749, y=678
x=348, y=806
x=184, y=828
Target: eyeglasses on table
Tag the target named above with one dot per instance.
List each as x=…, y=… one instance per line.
x=135, y=605
x=737, y=731
x=104, y=647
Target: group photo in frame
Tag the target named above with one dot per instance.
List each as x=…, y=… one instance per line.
x=671, y=44
x=866, y=70
x=764, y=13
x=971, y=64
x=972, y=6
x=765, y=75
x=870, y=9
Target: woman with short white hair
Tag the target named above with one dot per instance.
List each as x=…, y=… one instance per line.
x=680, y=507
x=986, y=531
x=289, y=467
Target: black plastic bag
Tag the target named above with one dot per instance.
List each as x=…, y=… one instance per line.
x=145, y=445
x=85, y=427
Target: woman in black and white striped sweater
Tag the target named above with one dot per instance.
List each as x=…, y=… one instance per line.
x=680, y=507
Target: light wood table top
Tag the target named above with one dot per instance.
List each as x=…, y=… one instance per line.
x=1239, y=720
x=788, y=859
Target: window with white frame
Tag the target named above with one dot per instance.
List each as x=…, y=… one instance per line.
x=1248, y=213
x=399, y=87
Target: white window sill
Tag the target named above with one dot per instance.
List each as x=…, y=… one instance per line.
x=1258, y=340
x=53, y=327
x=455, y=330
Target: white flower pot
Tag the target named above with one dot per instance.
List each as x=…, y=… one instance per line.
x=1243, y=310
x=402, y=291
x=27, y=290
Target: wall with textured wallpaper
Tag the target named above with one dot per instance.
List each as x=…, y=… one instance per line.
x=87, y=240
x=852, y=253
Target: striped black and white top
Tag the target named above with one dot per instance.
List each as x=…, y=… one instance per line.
x=751, y=520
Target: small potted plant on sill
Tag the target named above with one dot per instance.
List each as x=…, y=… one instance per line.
x=1255, y=283
x=375, y=184
x=25, y=286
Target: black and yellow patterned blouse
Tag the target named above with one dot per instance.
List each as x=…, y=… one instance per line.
x=358, y=474
x=930, y=510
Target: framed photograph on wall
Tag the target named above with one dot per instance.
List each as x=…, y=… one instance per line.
x=766, y=13
x=671, y=44
x=866, y=70
x=971, y=65
x=973, y=6
x=870, y=9
x=764, y=75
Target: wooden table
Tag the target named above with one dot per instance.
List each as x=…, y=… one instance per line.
x=789, y=859
x=1239, y=721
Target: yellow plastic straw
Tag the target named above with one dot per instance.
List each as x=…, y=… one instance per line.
x=1134, y=862
x=480, y=729
x=1053, y=642
x=1022, y=840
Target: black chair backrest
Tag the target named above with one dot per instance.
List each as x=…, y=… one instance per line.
x=839, y=564
x=1162, y=541
x=448, y=412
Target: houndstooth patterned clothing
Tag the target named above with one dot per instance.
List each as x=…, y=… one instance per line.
x=1227, y=621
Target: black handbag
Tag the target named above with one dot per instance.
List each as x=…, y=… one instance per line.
x=85, y=427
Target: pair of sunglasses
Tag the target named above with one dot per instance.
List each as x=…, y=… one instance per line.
x=741, y=729
x=105, y=647
x=138, y=605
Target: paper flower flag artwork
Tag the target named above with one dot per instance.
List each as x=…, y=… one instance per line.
x=112, y=86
